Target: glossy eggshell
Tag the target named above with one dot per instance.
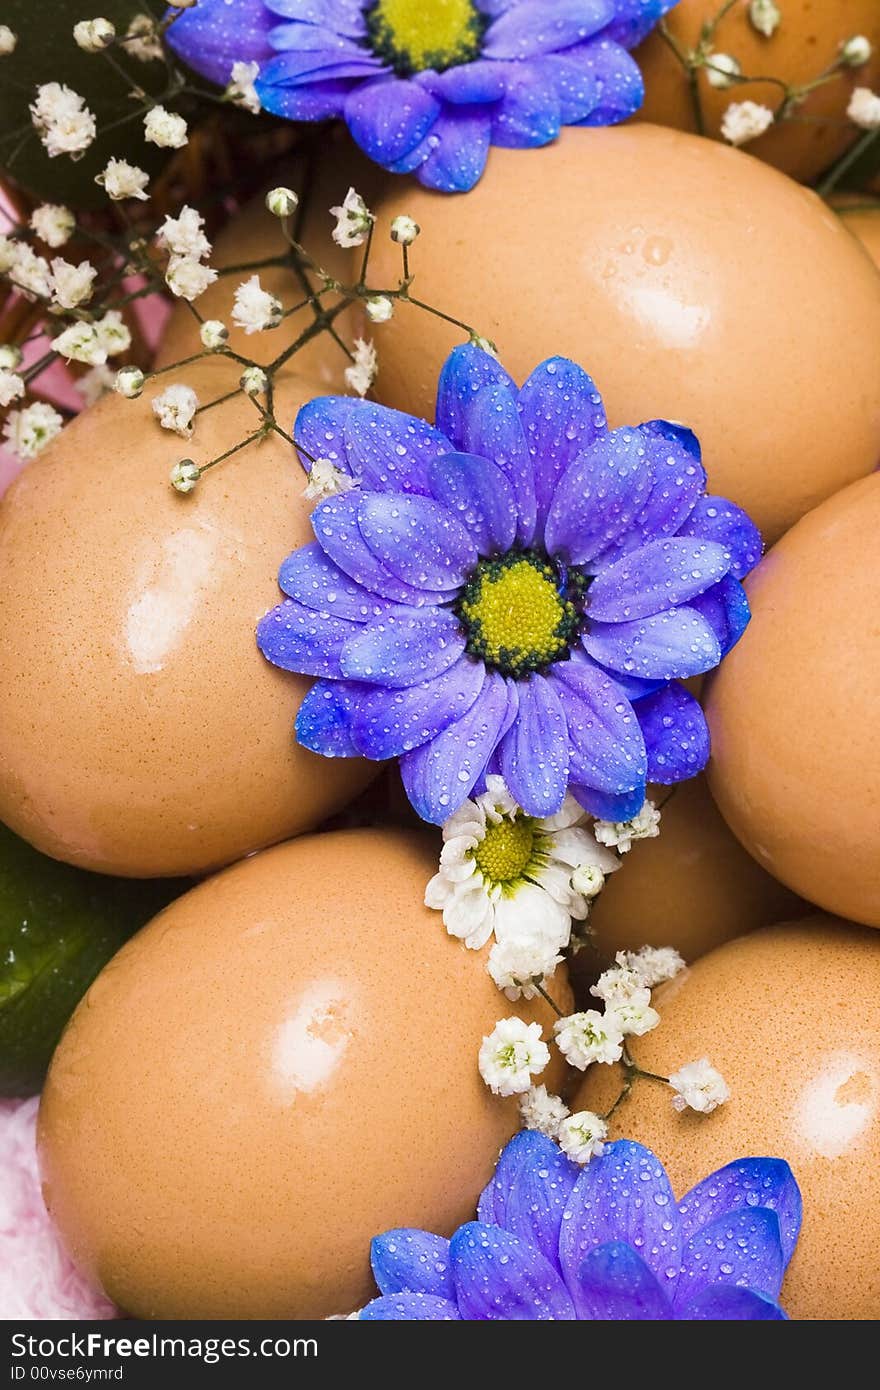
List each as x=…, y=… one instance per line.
x=861, y=216
x=141, y=731
x=791, y=1018
x=693, y=887
x=805, y=44
x=683, y=276
x=795, y=709
x=269, y=1075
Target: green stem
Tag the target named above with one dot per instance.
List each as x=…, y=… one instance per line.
x=832, y=179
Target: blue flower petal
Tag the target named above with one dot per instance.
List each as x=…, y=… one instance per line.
x=403, y=647
x=677, y=480
x=745, y=1184
x=213, y=35
x=598, y=497
x=526, y=1149
x=345, y=16
x=624, y=1195
x=460, y=145
x=562, y=415
x=577, y=87
x=530, y=1191
x=310, y=577
x=523, y=31
x=676, y=734
x=534, y=751
x=335, y=524
x=730, y=1303
x=500, y=1278
x=741, y=1247
x=410, y=1307
x=325, y=717
x=493, y=766
x=303, y=639
x=478, y=493
x=668, y=646
x=388, y=118
x=317, y=38
x=615, y=1285
x=726, y=609
x=440, y=774
x=319, y=101
x=530, y=113
x=411, y=1261
x=390, y=722
x=716, y=519
x=384, y=449
x=466, y=371
x=417, y=539
x=476, y=82
x=490, y=426
x=605, y=807
x=303, y=68
x=607, y=745
x=635, y=19
x=663, y=574
x=621, y=86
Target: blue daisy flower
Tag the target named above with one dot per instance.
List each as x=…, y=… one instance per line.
x=607, y=1242
x=517, y=590
x=426, y=86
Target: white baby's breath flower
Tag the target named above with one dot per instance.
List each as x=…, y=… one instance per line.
x=79, y=342
x=282, y=202
x=175, y=409
x=141, y=39
x=857, y=51
x=71, y=284
x=64, y=122
x=113, y=333
x=188, y=278
x=744, y=121
x=617, y=985
x=96, y=382
x=864, y=109
x=184, y=235
x=27, y=432
x=484, y=344
x=92, y=35
x=253, y=380
x=255, y=309
x=621, y=835
x=589, y=1037
x=721, y=70
x=11, y=387
x=9, y=249
x=519, y=963
x=653, y=964
x=634, y=1016
x=353, y=220
x=360, y=376
x=326, y=480
x=379, y=308
x=11, y=357
x=8, y=40
x=53, y=224
x=404, y=230
x=214, y=334
x=184, y=475
x=582, y=1136
x=765, y=16
x=119, y=179
x=240, y=89
x=543, y=1111
x=511, y=1055
x=129, y=382
x=504, y=872
x=165, y=128
x=30, y=273
x=698, y=1086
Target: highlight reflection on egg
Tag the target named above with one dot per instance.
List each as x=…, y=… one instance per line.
x=278, y=1068
x=795, y=708
x=791, y=1018
x=141, y=731
x=682, y=275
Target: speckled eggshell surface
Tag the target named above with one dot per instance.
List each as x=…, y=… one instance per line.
x=141, y=731
x=683, y=276
x=791, y=1018
x=277, y=1069
x=861, y=216
x=805, y=43
x=794, y=711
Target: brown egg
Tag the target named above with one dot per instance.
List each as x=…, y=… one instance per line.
x=255, y=235
x=141, y=731
x=860, y=214
x=790, y=1017
x=805, y=44
x=795, y=708
x=277, y=1069
x=693, y=887
x=682, y=275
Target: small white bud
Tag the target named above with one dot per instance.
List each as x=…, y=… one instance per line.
x=721, y=70
x=8, y=40
x=856, y=51
x=282, y=202
x=11, y=357
x=253, y=380
x=588, y=880
x=129, y=382
x=404, y=230
x=214, y=334
x=184, y=475
x=864, y=109
x=94, y=34
x=765, y=16
x=379, y=308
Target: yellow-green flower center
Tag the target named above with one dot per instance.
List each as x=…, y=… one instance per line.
x=412, y=35
x=516, y=613
x=506, y=851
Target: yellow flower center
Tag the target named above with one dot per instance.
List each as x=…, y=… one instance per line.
x=412, y=35
x=506, y=850
x=516, y=616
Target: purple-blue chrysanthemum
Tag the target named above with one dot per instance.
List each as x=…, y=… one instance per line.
x=518, y=590
x=607, y=1242
x=426, y=86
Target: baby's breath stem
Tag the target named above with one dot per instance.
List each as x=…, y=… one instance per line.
x=832, y=179
x=552, y=1002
